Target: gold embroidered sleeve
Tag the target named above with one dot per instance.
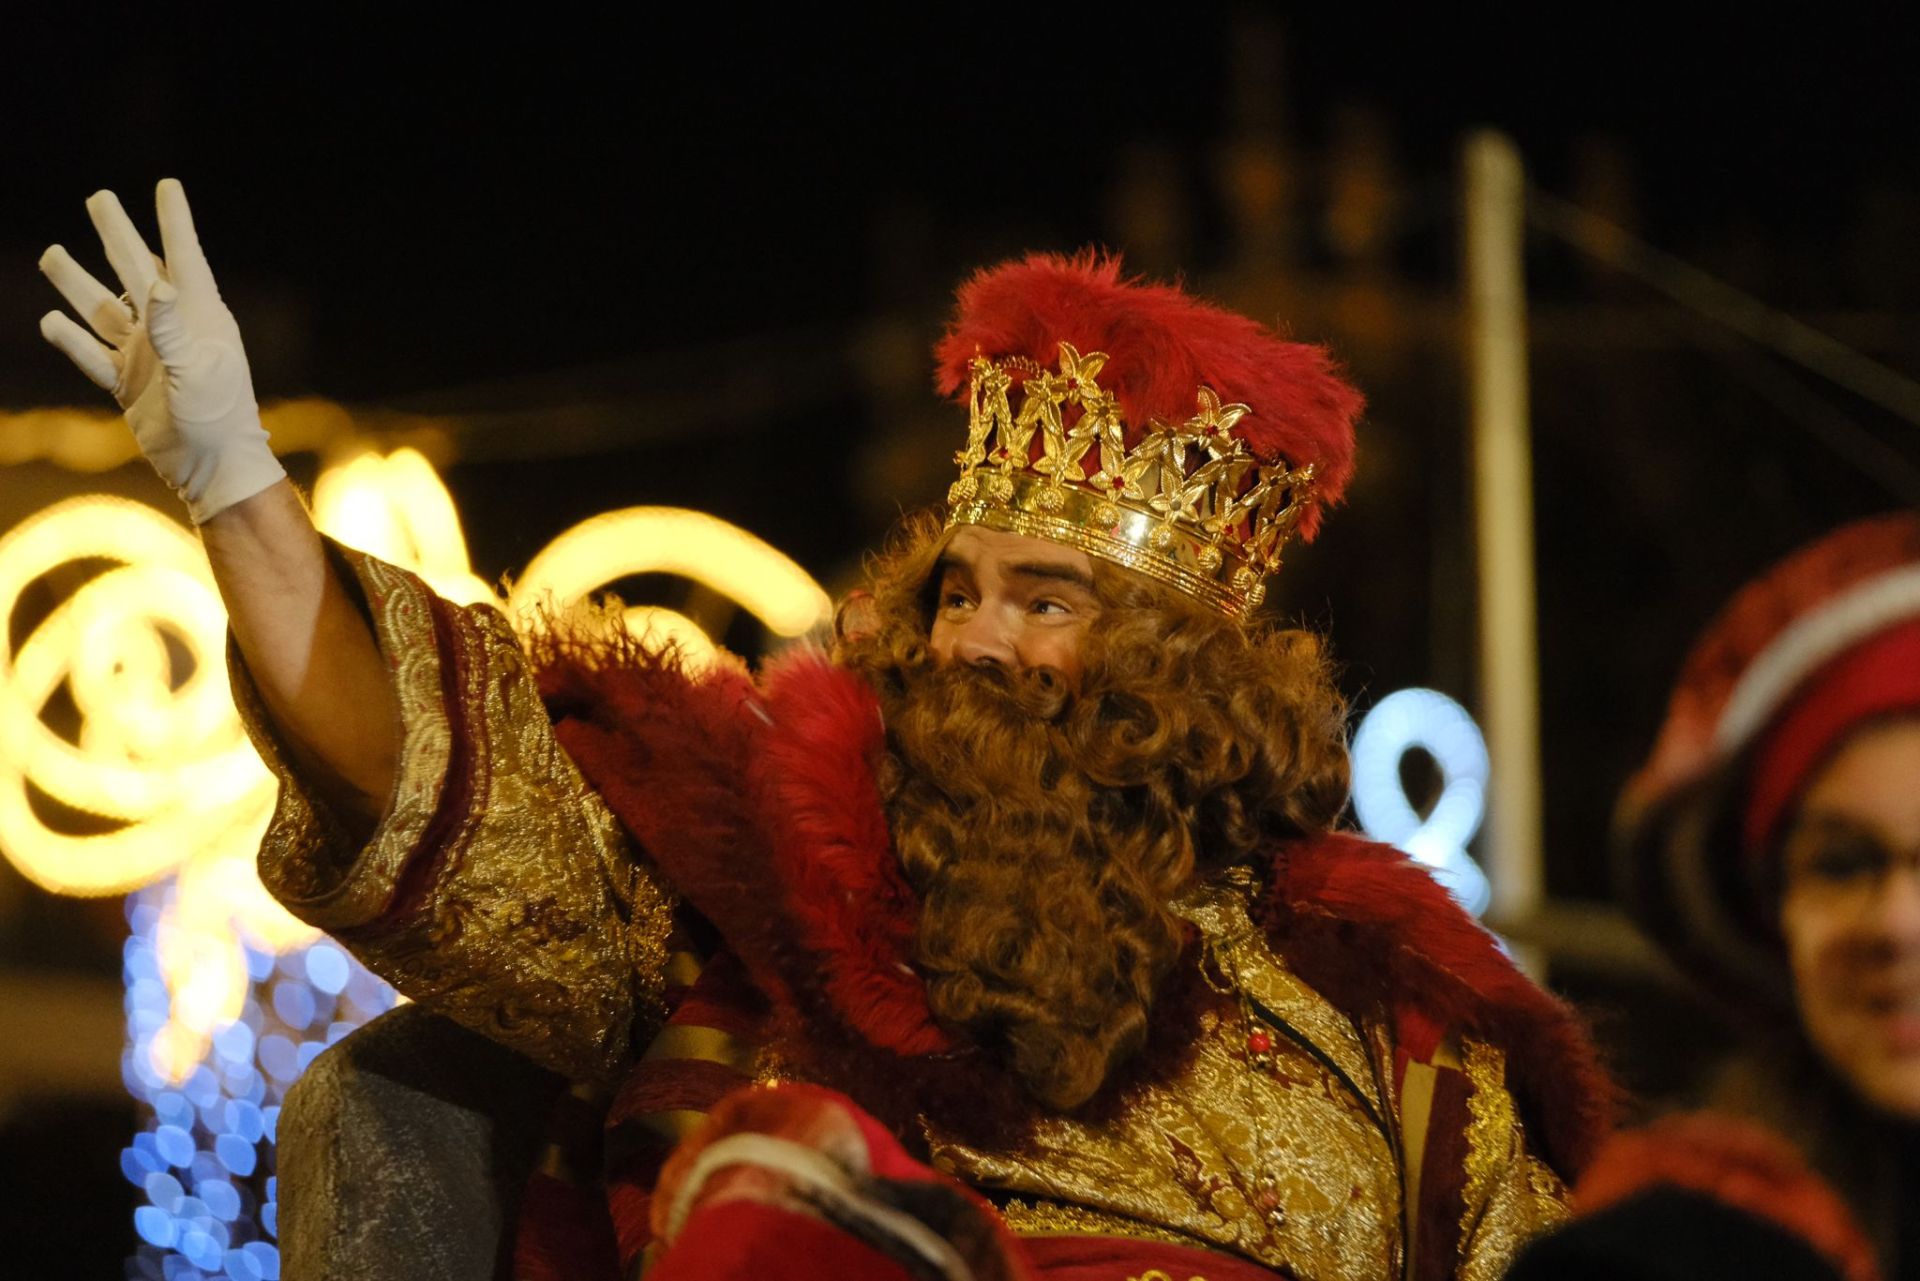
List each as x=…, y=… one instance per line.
x=1510, y=1196
x=498, y=887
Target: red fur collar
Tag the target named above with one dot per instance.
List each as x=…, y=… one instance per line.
x=1369, y=928
x=763, y=810
x=852, y=907
x=760, y=807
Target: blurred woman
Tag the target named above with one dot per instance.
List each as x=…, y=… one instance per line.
x=1772, y=846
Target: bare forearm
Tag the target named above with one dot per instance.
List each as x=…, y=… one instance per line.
x=309, y=650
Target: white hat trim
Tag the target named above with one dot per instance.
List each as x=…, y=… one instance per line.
x=1807, y=644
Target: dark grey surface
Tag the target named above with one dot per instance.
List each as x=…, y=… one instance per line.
x=403, y=1151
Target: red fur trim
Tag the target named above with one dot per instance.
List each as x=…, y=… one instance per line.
x=723, y=998
x=669, y=754
x=1735, y=1162
x=1162, y=346
x=764, y=814
x=667, y=1085
x=563, y=1235
x=630, y=1206
x=813, y=777
x=1368, y=928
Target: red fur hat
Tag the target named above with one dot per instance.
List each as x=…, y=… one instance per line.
x=1162, y=346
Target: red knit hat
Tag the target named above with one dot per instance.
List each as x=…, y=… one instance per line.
x=1879, y=676
x=1821, y=642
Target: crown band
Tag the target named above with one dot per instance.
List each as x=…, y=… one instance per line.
x=1121, y=534
x=1189, y=505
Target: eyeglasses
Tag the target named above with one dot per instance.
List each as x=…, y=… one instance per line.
x=1841, y=861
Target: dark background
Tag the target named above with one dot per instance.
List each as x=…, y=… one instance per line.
x=637, y=259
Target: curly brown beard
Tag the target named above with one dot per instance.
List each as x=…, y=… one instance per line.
x=1048, y=828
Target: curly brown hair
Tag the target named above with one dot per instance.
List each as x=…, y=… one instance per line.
x=1047, y=827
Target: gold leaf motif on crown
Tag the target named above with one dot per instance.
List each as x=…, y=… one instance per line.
x=1189, y=503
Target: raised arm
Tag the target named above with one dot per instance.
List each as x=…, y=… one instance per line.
x=169, y=352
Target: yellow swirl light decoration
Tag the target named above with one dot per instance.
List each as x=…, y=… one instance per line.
x=170, y=765
x=160, y=753
x=396, y=507
x=672, y=540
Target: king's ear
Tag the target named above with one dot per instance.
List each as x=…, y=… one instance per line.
x=857, y=618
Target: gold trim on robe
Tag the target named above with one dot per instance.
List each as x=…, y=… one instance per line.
x=504, y=894
x=1309, y=1163
x=1212, y=1154
x=1511, y=1196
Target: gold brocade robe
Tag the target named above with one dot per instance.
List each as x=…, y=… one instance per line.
x=501, y=890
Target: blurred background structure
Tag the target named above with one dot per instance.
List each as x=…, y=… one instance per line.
x=581, y=263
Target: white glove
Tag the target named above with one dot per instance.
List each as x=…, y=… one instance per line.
x=171, y=355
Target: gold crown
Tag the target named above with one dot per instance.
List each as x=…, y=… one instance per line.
x=1188, y=505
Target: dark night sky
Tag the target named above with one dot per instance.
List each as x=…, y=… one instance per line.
x=452, y=200
x=460, y=197
x=468, y=197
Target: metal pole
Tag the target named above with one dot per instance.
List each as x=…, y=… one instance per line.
x=1495, y=285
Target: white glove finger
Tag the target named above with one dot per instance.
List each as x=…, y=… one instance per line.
x=172, y=341
x=96, y=304
x=96, y=360
x=179, y=242
x=132, y=260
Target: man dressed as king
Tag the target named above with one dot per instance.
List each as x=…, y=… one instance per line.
x=1010, y=935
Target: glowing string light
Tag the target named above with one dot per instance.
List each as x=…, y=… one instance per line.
x=160, y=753
x=162, y=756
x=671, y=540
x=1430, y=721
x=396, y=507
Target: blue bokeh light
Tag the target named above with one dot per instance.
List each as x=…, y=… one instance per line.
x=176, y=1268
x=234, y=1043
x=164, y=1191
x=137, y=1165
x=243, y=1118
x=202, y=1250
x=236, y=1154
x=266, y=1258
x=328, y=968
x=222, y=1198
x=175, y=1143
x=154, y=1225
x=277, y=1058
x=293, y=1003
x=259, y=965
x=205, y=1157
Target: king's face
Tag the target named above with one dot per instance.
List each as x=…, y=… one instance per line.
x=1014, y=601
